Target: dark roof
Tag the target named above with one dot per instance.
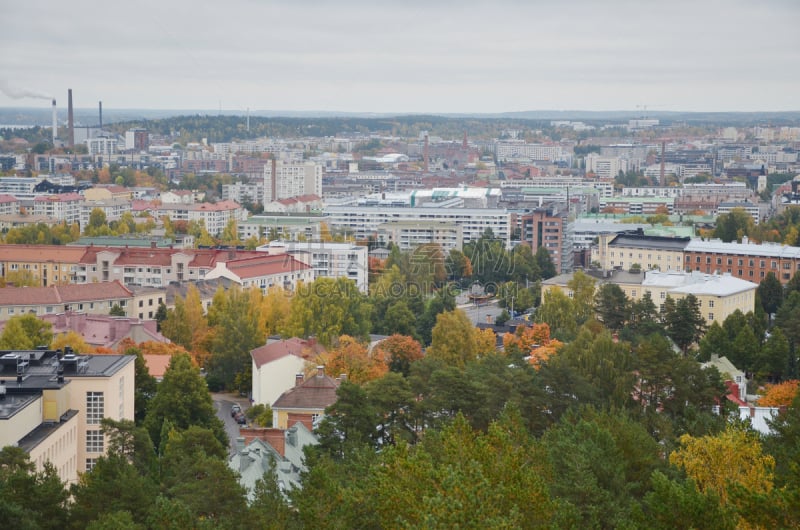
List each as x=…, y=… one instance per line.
x=649, y=242
x=316, y=392
x=40, y=433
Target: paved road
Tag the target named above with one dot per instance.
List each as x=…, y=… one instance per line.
x=478, y=314
x=223, y=404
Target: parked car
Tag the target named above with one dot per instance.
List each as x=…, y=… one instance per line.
x=240, y=418
x=235, y=409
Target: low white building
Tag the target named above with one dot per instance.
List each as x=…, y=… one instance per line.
x=264, y=272
x=328, y=260
x=276, y=365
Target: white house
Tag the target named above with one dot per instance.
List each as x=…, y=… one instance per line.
x=276, y=366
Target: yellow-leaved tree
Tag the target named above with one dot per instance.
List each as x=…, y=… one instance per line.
x=732, y=457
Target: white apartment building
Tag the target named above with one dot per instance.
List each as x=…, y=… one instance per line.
x=113, y=209
x=291, y=180
x=605, y=166
x=605, y=187
x=64, y=207
x=328, y=260
x=408, y=235
x=215, y=216
x=102, y=146
x=364, y=221
x=510, y=151
x=244, y=193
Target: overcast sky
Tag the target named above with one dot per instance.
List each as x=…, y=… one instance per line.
x=403, y=55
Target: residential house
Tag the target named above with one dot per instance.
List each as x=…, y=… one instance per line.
x=259, y=450
x=277, y=365
x=305, y=402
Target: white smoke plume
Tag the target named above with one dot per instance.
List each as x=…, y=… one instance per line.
x=19, y=93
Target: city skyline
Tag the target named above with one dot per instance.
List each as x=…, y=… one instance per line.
x=375, y=57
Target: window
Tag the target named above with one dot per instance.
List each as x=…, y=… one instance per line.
x=663, y=295
x=90, y=462
x=94, y=441
x=710, y=317
x=711, y=303
x=95, y=405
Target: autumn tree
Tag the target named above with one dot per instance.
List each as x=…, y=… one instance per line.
x=715, y=462
x=352, y=358
x=398, y=352
x=72, y=339
x=779, y=395
x=25, y=332
x=583, y=288
x=453, y=339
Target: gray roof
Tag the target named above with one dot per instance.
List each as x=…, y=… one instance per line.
x=650, y=242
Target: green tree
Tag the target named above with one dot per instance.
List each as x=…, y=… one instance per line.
x=558, y=311
x=117, y=311
x=328, y=309
x=611, y=306
x=680, y=504
x=734, y=225
x=194, y=472
x=237, y=333
x=770, y=292
x=545, y=262
x=583, y=288
x=685, y=324
x=788, y=319
x=714, y=342
x=30, y=499
x=774, y=358
x=744, y=349
x=182, y=400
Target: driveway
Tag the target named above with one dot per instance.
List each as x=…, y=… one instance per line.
x=222, y=405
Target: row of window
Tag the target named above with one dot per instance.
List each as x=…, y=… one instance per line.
x=751, y=262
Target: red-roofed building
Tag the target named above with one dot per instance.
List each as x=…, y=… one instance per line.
x=306, y=402
x=94, y=298
x=264, y=271
x=157, y=364
x=277, y=364
x=9, y=205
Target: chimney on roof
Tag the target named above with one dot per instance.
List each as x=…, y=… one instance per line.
x=70, y=120
x=342, y=378
x=320, y=371
x=298, y=379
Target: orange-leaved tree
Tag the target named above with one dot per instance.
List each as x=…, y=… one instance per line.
x=779, y=395
x=533, y=342
x=352, y=358
x=398, y=352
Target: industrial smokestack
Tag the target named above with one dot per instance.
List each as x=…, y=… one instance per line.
x=425, y=155
x=55, y=123
x=70, y=120
x=101, y=114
